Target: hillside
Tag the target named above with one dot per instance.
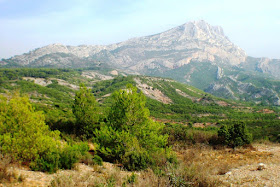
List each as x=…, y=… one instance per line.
x=169, y=101
x=184, y=123
x=195, y=53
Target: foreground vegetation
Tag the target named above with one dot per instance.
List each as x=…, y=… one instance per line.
x=64, y=126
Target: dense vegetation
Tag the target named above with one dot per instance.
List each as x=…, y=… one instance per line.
x=53, y=129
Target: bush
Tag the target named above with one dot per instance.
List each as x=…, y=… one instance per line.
x=60, y=159
x=23, y=132
x=235, y=135
x=49, y=162
x=97, y=160
x=111, y=144
x=136, y=160
x=71, y=155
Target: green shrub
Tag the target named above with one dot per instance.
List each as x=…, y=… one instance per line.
x=23, y=132
x=111, y=143
x=97, y=160
x=132, y=179
x=71, y=155
x=49, y=162
x=136, y=160
x=235, y=135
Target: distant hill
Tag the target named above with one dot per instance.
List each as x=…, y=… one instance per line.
x=195, y=53
x=53, y=90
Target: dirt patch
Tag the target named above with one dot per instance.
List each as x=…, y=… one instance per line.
x=152, y=92
x=266, y=111
x=249, y=175
x=95, y=75
x=203, y=125
x=222, y=103
x=39, y=81
x=81, y=175
x=65, y=83
x=46, y=82
x=185, y=95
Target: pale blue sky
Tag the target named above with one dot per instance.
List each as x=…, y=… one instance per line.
x=254, y=25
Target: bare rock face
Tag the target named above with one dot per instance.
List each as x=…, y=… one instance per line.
x=193, y=41
x=270, y=66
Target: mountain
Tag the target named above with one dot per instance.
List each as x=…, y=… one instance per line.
x=195, y=53
x=193, y=41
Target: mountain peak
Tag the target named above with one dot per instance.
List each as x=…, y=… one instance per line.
x=200, y=29
x=193, y=41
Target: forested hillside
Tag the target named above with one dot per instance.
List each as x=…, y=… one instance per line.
x=138, y=122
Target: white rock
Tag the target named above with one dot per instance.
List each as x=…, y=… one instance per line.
x=261, y=166
x=114, y=72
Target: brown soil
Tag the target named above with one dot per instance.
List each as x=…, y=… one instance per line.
x=249, y=175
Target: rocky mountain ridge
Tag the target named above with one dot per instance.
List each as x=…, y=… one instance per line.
x=193, y=41
x=195, y=53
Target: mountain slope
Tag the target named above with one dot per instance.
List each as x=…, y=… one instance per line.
x=195, y=53
x=169, y=101
x=170, y=49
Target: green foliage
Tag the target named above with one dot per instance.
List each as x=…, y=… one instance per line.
x=130, y=137
x=97, y=160
x=136, y=158
x=86, y=110
x=128, y=109
x=71, y=155
x=235, y=135
x=111, y=143
x=132, y=179
x=25, y=137
x=184, y=135
x=48, y=162
x=23, y=132
x=108, y=86
x=64, y=158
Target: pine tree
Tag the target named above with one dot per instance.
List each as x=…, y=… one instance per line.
x=86, y=111
x=128, y=109
x=130, y=136
x=23, y=132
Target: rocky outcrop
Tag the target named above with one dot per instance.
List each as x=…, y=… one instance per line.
x=270, y=66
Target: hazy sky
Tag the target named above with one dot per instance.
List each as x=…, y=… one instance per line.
x=254, y=25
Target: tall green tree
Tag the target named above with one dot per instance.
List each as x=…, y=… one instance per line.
x=23, y=132
x=86, y=111
x=128, y=109
x=131, y=137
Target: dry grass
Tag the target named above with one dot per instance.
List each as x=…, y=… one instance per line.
x=6, y=175
x=204, y=164
x=200, y=165
x=107, y=175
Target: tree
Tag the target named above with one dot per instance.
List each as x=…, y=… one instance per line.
x=235, y=135
x=23, y=132
x=131, y=137
x=128, y=109
x=86, y=111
